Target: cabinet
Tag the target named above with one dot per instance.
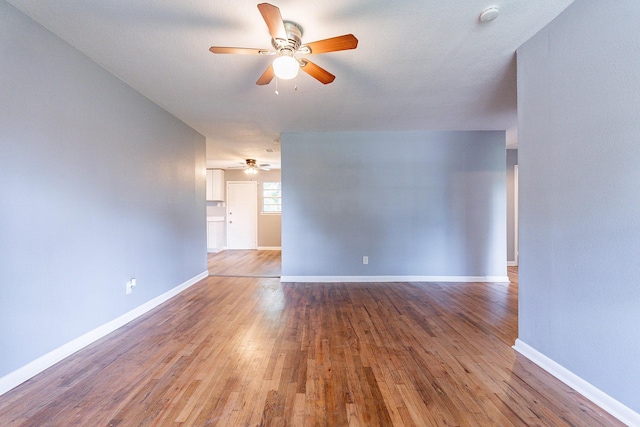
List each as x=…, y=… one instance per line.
x=215, y=185
x=215, y=234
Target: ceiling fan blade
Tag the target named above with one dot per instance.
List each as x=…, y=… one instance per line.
x=266, y=77
x=334, y=44
x=273, y=18
x=238, y=50
x=318, y=73
x=240, y=165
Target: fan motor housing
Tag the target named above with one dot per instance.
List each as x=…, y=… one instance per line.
x=294, y=37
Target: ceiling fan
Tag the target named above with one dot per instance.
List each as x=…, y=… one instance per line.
x=286, y=39
x=251, y=167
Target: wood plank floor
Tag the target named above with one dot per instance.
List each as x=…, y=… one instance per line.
x=254, y=352
x=244, y=263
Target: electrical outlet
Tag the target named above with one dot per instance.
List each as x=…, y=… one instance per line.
x=365, y=260
x=130, y=285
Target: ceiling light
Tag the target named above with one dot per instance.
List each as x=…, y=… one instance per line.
x=252, y=168
x=286, y=66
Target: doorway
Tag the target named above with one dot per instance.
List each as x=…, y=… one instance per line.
x=242, y=214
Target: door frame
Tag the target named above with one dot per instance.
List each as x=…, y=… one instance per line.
x=516, y=251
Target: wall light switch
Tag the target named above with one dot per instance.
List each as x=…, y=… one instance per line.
x=365, y=260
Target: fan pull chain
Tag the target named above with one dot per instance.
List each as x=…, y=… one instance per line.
x=277, y=93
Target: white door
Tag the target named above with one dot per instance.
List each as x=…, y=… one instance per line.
x=242, y=215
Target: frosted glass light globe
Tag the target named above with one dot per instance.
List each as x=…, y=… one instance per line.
x=285, y=67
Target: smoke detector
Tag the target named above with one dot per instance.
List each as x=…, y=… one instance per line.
x=489, y=14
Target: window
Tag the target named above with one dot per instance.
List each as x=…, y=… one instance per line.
x=271, y=197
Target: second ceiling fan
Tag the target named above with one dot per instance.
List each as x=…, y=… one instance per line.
x=286, y=39
x=251, y=167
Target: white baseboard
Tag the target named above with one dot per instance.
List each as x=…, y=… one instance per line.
x=512, y=263
x=597, y=396
x=20, y=375
x=378, y=279
x=269, y=248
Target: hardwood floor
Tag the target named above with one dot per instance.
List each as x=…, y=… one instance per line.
x=252, y=351
x=244, y=263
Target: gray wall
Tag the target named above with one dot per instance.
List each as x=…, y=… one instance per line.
x=97, y=185
x=512, y=160
x=579, y=161
x=415, y=203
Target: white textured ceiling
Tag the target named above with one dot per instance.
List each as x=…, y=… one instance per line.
x=419, y=65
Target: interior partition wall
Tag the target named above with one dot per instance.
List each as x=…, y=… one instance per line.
x=579, y=151
x=424, y=205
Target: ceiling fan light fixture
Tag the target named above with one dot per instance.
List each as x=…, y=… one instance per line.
x=252, y=167
x=286, y=39
x=285, y=66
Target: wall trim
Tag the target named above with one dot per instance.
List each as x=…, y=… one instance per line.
x=269, y=248
x=512, y=263
x=31, y=369
x=594, y=394
x=378, y=279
